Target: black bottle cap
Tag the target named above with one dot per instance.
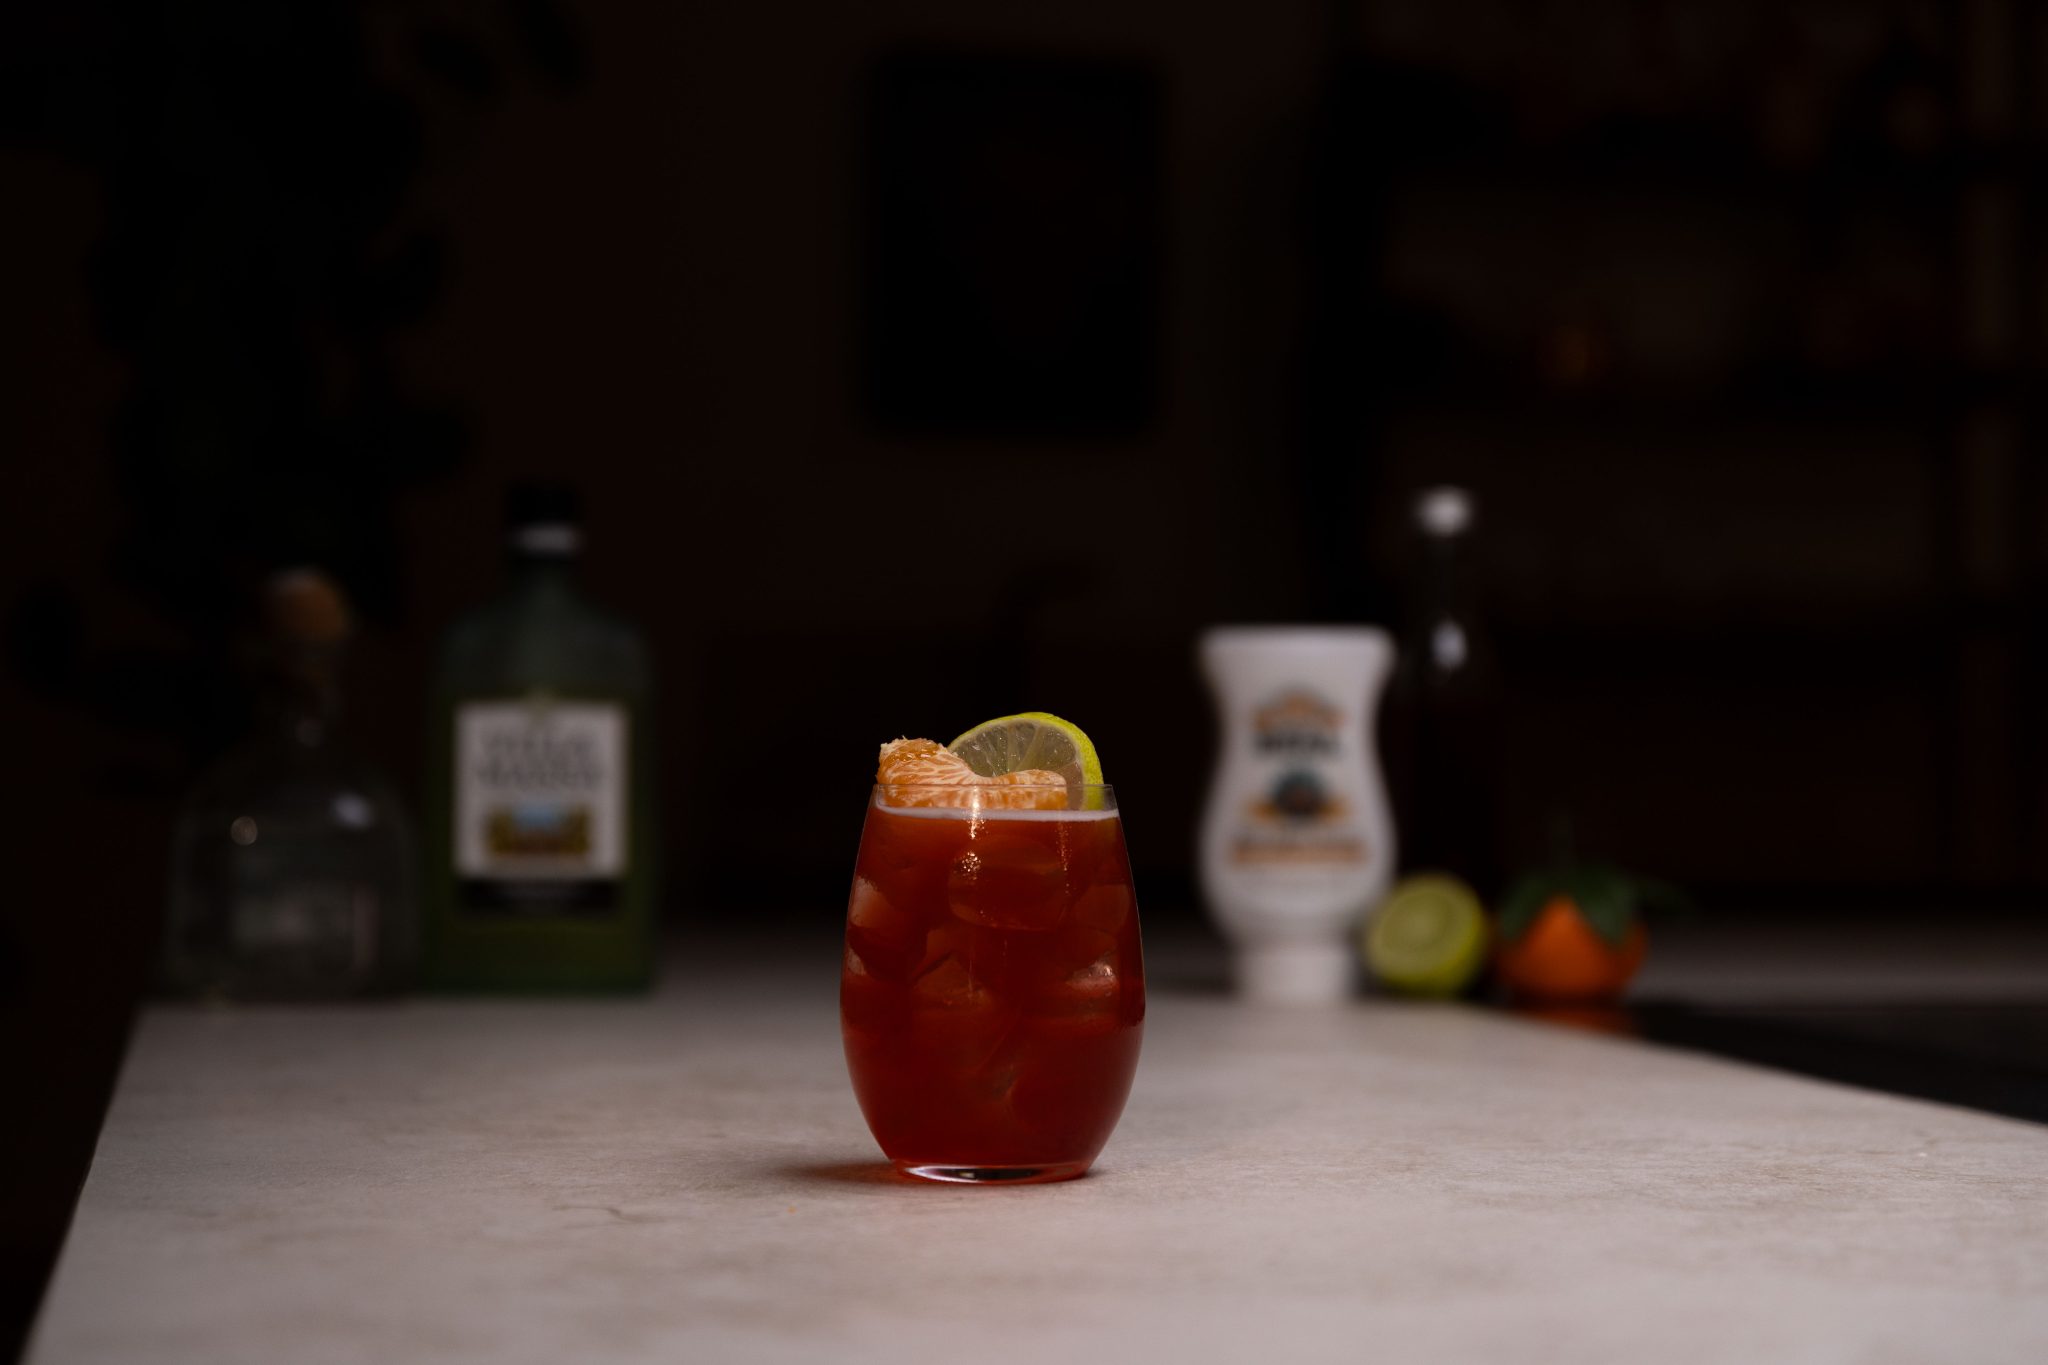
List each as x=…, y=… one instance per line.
x=543, y=520
x=541, y=504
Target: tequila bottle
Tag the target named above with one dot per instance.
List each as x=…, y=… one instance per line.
x=541, y=837
x=291, y=867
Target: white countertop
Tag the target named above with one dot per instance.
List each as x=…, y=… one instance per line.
x=686, y=1178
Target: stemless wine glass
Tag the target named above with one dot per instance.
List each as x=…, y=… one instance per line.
x=993, y=992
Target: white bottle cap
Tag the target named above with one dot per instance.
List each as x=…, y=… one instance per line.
x=1295, y=973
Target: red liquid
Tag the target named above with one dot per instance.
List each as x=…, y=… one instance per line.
x=993, y=994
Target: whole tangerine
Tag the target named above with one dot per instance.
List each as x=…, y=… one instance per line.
x=1560, y=958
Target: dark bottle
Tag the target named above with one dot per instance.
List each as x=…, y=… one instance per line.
x=541, y=792
x=1443, y=714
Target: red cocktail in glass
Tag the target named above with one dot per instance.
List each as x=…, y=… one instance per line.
x=993, y=993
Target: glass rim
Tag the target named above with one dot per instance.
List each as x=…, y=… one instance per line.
x=1079, y=796
x=969, y=786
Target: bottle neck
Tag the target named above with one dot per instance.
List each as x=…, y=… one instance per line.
x=1443, y=575
x=541, y=575
x=306, y=699
x=1441, y=617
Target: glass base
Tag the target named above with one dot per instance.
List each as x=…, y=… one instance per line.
x=994, y=1175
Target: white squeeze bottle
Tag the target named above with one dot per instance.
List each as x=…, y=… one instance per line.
x=1297, y=841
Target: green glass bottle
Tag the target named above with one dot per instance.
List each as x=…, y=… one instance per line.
x=541, y=792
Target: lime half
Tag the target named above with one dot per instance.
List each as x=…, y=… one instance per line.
x=1428, y=937
x=1033, y=739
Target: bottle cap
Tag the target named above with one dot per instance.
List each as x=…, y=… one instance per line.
x=542, y=519
x=1296, y=973
x=1444, y=511
x=303, y=606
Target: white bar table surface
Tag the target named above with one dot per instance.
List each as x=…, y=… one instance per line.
x=686, y=1177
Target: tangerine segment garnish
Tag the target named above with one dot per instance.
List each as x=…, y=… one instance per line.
x=923, y=763
x=1032, y=789
x=921, y=772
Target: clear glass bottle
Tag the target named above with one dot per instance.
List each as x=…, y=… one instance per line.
x=541, y=790
x=291, y=866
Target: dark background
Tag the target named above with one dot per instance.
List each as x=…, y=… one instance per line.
x=924, y=361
